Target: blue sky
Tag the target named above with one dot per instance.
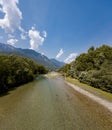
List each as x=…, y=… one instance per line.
x=59, y=29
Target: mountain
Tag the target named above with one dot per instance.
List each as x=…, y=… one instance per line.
x=58, y=63
x=28, y=53
x=6, y=48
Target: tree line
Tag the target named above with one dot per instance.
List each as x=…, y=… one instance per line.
x=93, y=68
x=15, y=70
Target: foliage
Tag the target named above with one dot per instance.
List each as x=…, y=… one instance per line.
x=93, y=68
x=15, y=71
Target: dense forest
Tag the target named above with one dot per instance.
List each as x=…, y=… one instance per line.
x=15, y=71
x=93, y=68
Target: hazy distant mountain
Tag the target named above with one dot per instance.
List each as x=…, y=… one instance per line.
x=58, y=63
x=41, y=59
x=6, y=48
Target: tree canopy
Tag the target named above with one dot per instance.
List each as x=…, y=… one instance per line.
x=93, y=68
x=15, y=71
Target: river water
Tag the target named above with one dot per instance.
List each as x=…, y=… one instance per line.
x=48, y=103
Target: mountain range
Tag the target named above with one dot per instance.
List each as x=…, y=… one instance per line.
x=29, y=53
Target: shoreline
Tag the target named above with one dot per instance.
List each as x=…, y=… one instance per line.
x=101, y=101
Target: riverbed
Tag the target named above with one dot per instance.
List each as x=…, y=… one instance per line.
x=48, y=103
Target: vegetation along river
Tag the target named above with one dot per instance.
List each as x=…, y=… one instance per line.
x=48, y=103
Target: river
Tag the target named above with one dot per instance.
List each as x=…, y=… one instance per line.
x=48, y=103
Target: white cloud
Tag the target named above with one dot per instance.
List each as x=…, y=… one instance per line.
x=35, y=39
x=59, y=53
x=23, y=36
x=45, y=34
x=42, y=53
x=11, y=22
x=12, y=41
x=70, y=58
x=21, y=29
x=12, y=15
x=10, y=36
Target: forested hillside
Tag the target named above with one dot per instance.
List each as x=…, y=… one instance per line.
x=15, y=71
x=33, y=55
x=93, y=68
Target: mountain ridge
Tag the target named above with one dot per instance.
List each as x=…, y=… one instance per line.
x=32, y=54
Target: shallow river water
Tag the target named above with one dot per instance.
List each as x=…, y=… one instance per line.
x=49, y=104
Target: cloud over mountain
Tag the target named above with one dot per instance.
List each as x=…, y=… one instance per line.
x=60, y=53
x=12, y=15
x=11, y=24
x=12, y=41
x=70, y=58
x=35, y=38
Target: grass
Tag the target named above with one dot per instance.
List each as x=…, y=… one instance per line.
x=96, y=91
